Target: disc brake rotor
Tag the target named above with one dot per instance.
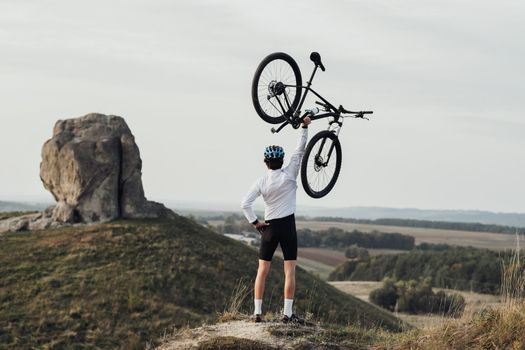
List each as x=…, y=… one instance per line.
x=276, y=88
x=318, y=163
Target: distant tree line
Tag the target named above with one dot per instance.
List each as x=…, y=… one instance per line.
x=329, y=238
x=416, y=297
x=235, y=224
x=462, y=268
x=434, y=246
x=445, y=225
x=218, y=217
x=338, y=238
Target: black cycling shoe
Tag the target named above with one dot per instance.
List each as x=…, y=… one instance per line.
x=293, y=319
x=257, y=318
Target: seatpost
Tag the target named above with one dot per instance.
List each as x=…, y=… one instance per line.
x=308, y=84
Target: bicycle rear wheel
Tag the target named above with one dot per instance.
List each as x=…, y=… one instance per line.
x=276, y=87
x=321, y=164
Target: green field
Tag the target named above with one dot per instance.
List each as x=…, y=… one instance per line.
x=495, y=241
x=312, y=264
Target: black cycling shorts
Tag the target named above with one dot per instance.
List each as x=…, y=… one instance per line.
x=280, y=231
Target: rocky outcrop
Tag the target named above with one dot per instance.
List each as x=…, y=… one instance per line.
x=92, y=167
x=37, y=221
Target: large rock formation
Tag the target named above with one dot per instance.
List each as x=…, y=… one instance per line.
x=92, y=167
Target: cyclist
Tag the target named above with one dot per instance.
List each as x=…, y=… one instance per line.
x=278, y=188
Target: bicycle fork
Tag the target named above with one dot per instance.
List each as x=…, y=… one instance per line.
x=336, y=130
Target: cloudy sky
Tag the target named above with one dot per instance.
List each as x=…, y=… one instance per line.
x=446, y=81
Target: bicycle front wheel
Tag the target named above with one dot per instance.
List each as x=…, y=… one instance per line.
x=276, y=87
x=321, y=164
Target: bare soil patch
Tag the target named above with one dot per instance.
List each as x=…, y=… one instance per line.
x=251, y=335
x=325, y=256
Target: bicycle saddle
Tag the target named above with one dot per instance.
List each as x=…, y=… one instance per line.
x=316, y=59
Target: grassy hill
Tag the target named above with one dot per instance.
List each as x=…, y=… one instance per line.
x=121, y=284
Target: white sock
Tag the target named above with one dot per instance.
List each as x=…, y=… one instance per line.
x=258, y=306
x=288, y=307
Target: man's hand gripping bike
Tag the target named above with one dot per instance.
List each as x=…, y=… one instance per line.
x=278, y=96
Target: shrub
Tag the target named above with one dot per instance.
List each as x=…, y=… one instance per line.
x=355, y=252
x=386, y=296
x=416, y=297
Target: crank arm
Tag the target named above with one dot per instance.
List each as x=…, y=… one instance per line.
x=275, y=131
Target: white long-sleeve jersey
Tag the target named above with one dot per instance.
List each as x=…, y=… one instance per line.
x=277, y=187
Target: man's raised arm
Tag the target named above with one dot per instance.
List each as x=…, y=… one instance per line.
x=297, y=156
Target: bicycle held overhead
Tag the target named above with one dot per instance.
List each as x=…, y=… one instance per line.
x=278, y=96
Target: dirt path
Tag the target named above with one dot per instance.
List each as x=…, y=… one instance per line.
x=260, y=334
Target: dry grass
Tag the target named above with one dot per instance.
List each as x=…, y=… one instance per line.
x=499, y=327
x=232, y=343
x=232, y=311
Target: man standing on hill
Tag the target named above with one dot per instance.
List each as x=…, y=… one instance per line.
x=278, y=188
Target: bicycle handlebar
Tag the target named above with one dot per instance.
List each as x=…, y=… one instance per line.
x=343, y=110
x=314, y=116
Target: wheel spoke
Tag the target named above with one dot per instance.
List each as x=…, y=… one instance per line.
x=274, y=106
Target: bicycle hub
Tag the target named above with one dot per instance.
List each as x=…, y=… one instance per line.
x=276, y=88
x=318, y=164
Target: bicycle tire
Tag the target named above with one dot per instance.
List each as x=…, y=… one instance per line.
x=260, y=91
x=319, y=137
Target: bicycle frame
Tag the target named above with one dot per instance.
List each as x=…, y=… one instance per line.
x=295, y=120
x=282, y=93
x=307, y=89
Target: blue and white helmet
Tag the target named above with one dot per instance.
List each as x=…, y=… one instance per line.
x=273, y=152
